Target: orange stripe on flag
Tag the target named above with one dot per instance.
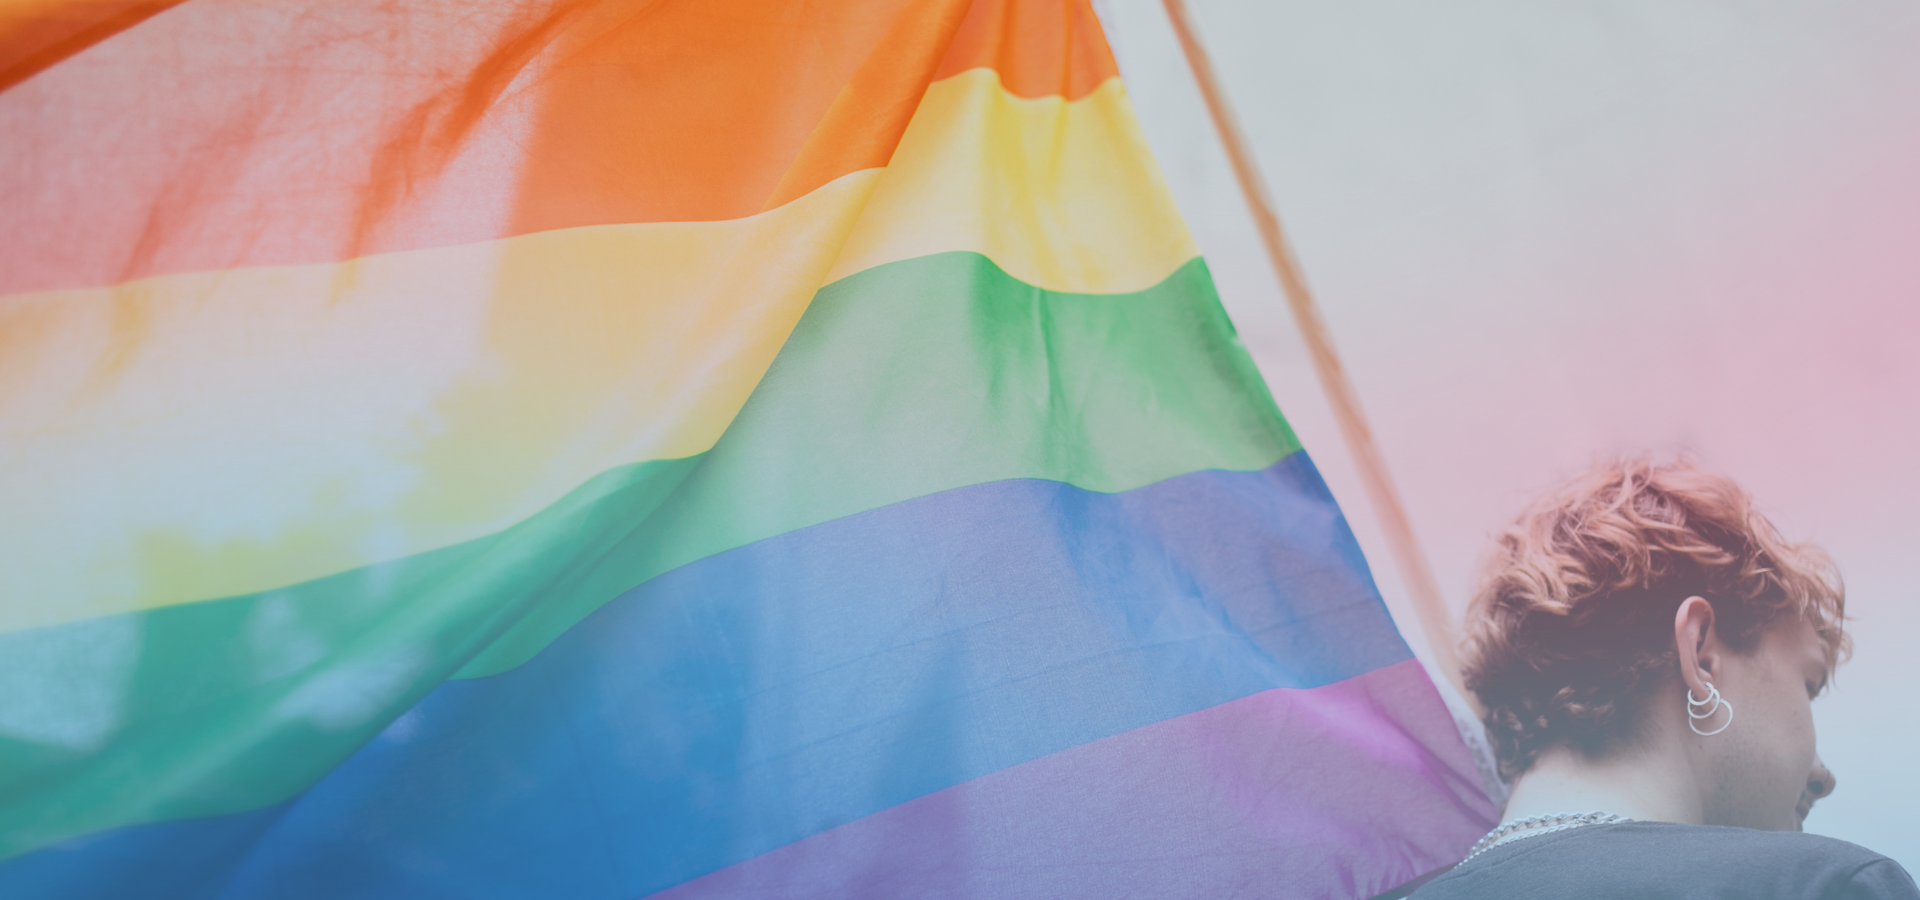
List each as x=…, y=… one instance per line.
x=1040, y=49
x=35, y=34
x=225, y=136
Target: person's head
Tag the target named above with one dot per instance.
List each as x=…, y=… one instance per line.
x=1637, y=582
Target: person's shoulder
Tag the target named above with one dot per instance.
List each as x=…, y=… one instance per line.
x=1880, y=878
x=1793, y=855
x=1721, y=843
x=1652, y=859
x=1782, y=845
x=1853, y=870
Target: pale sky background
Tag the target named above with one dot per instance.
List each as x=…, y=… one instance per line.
x=1544, y=232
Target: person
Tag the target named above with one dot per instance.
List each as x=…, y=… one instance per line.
x=1647, y=648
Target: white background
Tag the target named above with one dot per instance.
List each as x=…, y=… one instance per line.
x=1545, y=232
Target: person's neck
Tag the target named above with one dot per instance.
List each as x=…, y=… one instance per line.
x=1641, y=784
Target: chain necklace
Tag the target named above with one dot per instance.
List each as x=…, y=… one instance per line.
x=1532, y=826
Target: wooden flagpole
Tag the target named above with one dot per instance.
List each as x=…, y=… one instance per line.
x=1422, y=587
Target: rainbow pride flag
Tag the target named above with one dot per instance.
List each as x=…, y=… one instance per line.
x=689, y=448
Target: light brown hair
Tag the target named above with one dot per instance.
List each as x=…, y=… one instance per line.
x=1572, y=624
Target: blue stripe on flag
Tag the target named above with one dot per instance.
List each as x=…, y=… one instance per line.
x=774, y=691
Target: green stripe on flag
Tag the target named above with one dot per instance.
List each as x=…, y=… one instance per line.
x=901, y=381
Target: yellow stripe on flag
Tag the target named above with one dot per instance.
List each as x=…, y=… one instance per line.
x=1061, y=194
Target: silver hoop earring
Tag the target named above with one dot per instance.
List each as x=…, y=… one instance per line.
x=1713, y=703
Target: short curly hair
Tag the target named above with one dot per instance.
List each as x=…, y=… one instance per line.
x=1571, y=627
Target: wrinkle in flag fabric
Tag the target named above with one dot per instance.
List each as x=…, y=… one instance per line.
x=604, y=449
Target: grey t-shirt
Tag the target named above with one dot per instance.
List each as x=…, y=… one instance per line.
x=1660, y=860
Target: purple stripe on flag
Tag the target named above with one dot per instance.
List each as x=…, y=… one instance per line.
x=1341, y=791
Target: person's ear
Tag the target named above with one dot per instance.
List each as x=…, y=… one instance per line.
x=1699, y=651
